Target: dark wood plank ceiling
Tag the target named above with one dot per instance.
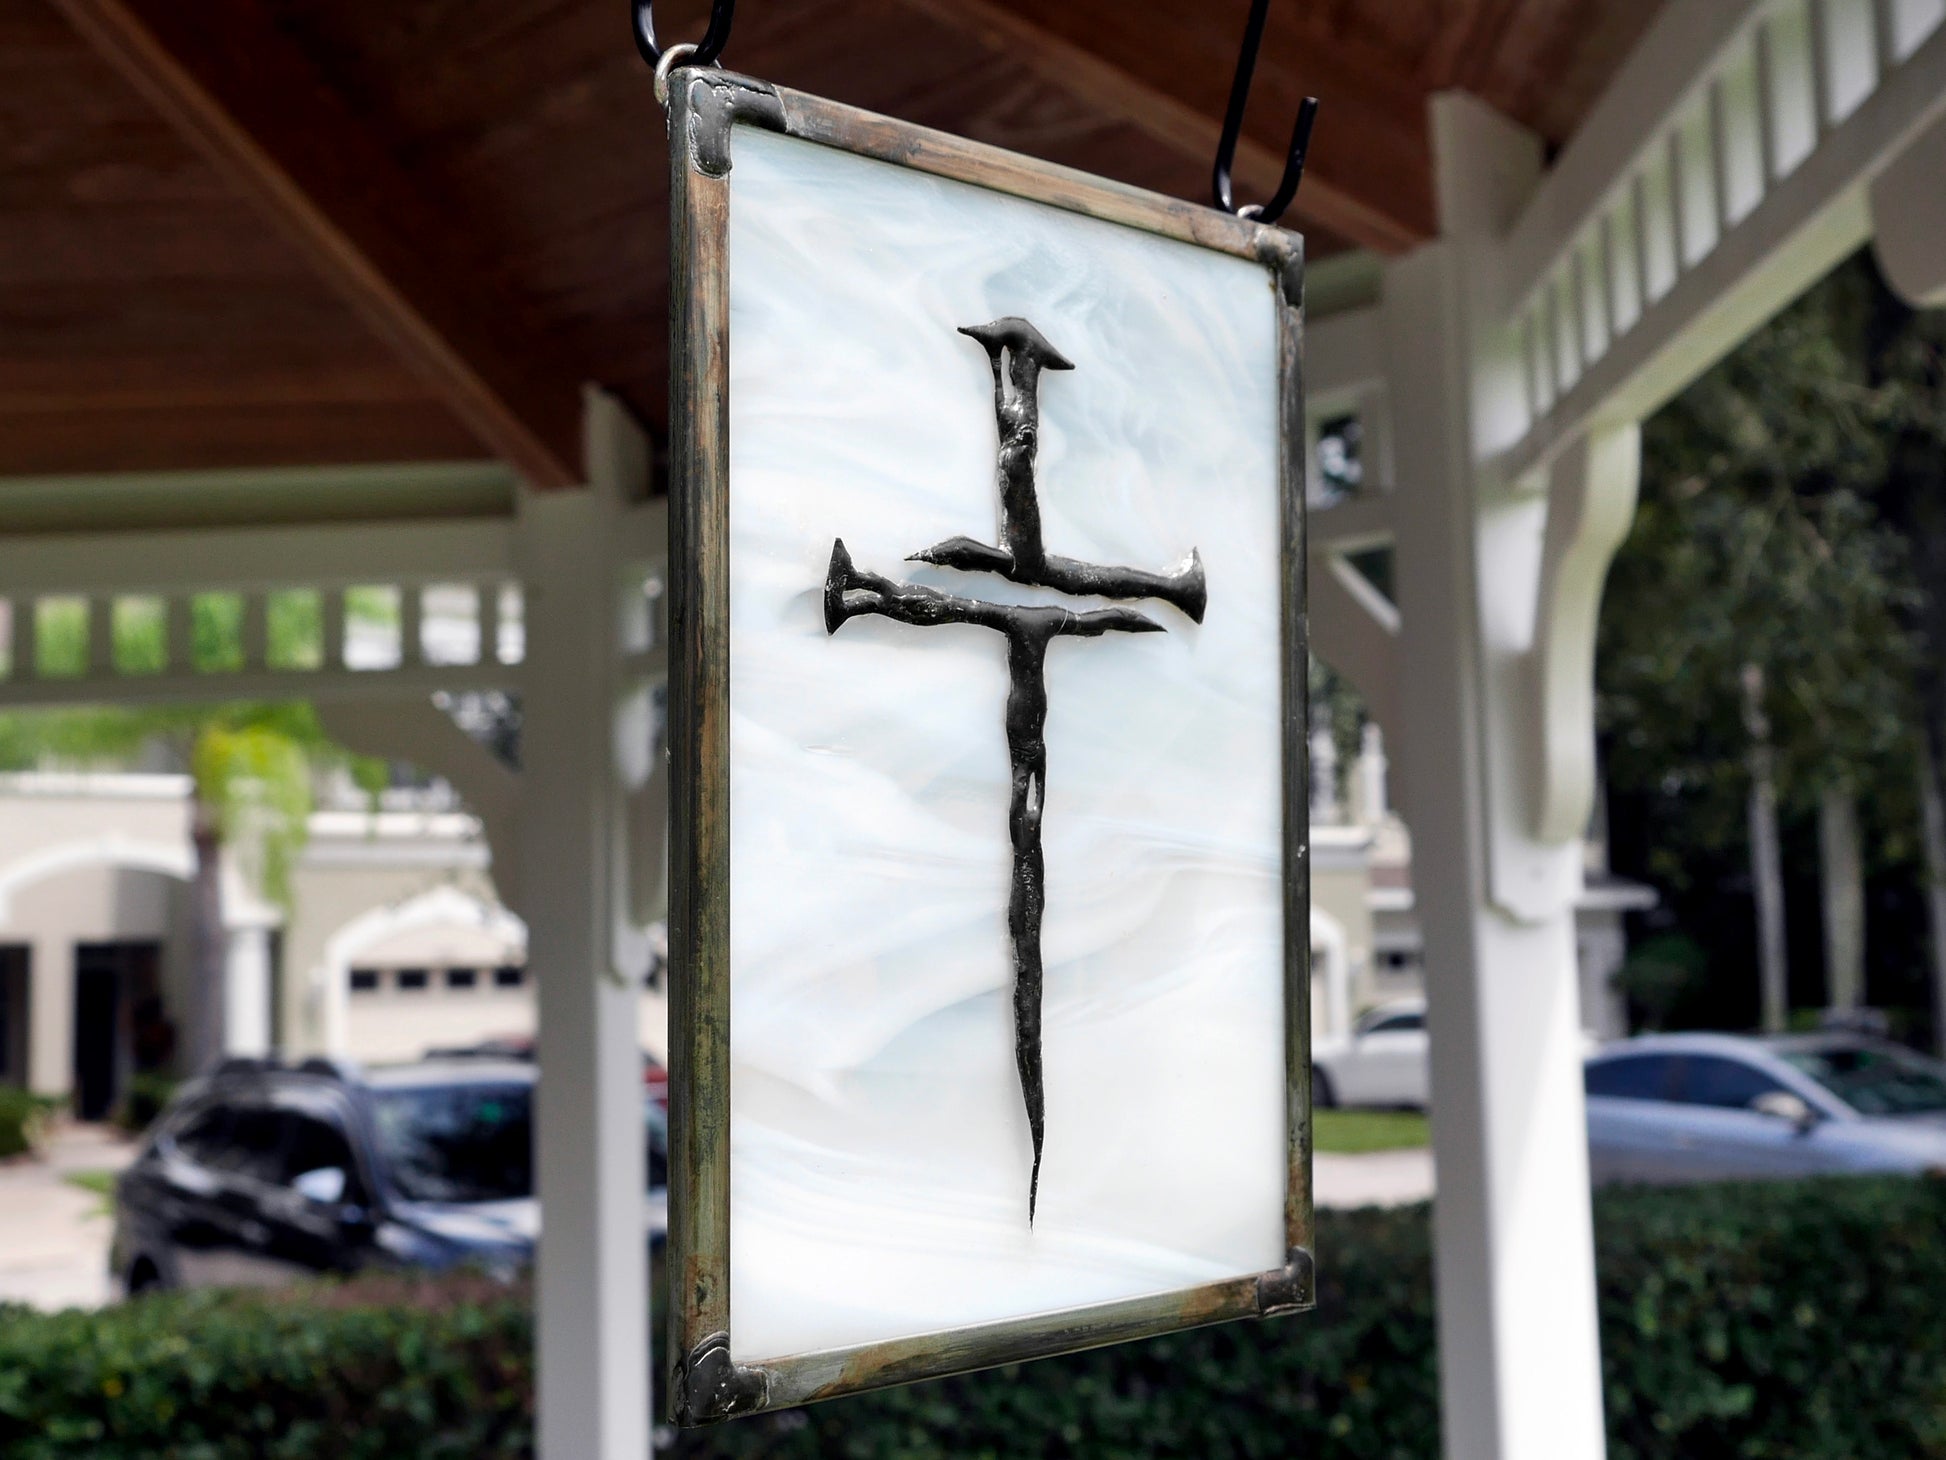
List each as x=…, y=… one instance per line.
x=149, y=318
x=164, y=305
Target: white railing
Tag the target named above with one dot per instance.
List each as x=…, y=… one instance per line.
x=1714, y=120
x=258, y=613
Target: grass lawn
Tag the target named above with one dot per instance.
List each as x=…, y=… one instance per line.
x=1351, y=1132
x=101, y=1183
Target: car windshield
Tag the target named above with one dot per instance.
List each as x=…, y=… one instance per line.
x=1875, y=1081
x=458, y=1143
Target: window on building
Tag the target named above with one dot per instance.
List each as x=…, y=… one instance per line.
x=364, y=980
x=413, y=980
x=509, y=976
x=462, y=978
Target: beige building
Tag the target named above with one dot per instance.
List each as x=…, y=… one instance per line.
x=1367, y=944
x=394, y=942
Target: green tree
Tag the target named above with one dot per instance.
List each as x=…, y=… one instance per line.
x=1756, y=651
x=1905, y=355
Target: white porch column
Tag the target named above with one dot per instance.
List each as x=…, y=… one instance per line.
x=1519, y=1350
x=593, y=1304
x=246, y=989
x=50, y=1015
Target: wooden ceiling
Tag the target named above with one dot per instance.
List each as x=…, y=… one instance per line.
x=283, y=232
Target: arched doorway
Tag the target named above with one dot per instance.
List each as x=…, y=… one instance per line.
x=95, y=964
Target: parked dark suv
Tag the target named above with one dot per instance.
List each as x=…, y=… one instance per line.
x=264, y=1173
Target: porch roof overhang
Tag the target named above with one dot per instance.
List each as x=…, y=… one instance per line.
x=331, y=232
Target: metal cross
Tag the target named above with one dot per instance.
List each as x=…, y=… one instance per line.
x=1018, y=353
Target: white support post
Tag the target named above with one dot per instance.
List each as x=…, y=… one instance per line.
x=1520, y=1369
x=487, y=595
x=412, y=624
x=246, y=988
x=101, y=636
x=593, y=1304
x=180, y=633
x=256, y=632
x=332, y=647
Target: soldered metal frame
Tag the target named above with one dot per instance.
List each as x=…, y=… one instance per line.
x=705, y=1384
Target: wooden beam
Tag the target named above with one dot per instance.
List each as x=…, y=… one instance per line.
x=242, y=92
x=1173, y=123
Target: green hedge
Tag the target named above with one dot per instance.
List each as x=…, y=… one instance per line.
x=1805, y=1321
x=373, y=1370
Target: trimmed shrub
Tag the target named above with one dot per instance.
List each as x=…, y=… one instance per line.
x=23, y=1116
x=366, y=1371
x=1738, y=1323
x=1803, y=1320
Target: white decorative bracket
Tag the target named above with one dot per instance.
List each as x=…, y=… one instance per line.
x=1909, y=219
x=1591, y=497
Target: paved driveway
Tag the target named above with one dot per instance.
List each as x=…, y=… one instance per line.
x=1377, y=1178
x=53, y=1235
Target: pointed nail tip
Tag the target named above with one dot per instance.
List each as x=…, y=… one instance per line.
x=834, y=586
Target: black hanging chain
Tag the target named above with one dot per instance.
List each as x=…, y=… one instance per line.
x=1226, y=148
x=703, y=53
x=723, y=13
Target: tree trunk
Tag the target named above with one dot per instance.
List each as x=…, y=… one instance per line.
x=203, y=1042
x=1932, y=809
x=1766, y=860
x=1842, y=865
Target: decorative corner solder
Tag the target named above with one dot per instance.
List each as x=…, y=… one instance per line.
x=1019, y=353
x=718, y=100
x=708, y=1385
x=1292, y=1288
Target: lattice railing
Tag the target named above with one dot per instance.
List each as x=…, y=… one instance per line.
x=297, y=640
x=1790, y=75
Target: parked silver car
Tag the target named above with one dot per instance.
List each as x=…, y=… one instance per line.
x=1724, y=1107
x=1383, y=1061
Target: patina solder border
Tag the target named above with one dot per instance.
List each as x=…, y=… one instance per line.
x=704, y=1383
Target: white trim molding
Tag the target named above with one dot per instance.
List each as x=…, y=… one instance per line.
x=110, y=849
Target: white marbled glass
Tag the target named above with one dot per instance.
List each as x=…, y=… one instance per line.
x=879, y=1144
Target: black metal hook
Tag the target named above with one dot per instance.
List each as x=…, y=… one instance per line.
x=721, y=13
x=1226, y=149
